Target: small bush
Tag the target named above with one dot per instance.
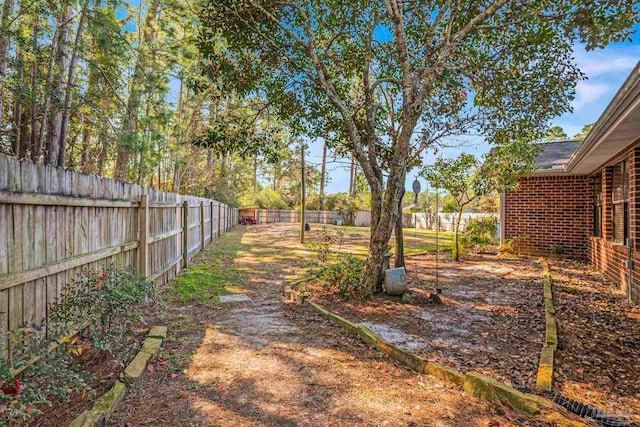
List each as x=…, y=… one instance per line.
x=343, y=274
x=103, y=305
x=337, y=269
x=481, y=232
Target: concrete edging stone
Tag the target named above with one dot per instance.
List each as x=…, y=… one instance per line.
x=104, y=407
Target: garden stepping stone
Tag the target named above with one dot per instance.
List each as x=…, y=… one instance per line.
x=224, y=299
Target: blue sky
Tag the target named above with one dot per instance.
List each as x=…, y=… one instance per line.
x=606, y=70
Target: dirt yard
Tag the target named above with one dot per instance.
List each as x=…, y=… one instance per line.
x=599, y=349
x=264, y=363
x=490, y=320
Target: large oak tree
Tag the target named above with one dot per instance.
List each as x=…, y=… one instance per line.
x=391, y=78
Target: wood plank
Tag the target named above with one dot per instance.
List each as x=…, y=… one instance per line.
x=15, y=198
x=15, y=279
x=166, y=269
x=164, y=236
x=185, y=234
x=143, y=242
x=202, y=224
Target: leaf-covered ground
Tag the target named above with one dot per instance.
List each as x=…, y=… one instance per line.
x=490, y=319
x=266, y=363
x=598, y=358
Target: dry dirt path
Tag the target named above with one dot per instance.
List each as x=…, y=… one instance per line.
x=266, y=363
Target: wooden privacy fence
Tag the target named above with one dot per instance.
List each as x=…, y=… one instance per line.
x=56, y=223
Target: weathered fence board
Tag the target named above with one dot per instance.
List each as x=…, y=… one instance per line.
x=55, y=224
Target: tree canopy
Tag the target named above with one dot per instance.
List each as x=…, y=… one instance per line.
x=390, y=79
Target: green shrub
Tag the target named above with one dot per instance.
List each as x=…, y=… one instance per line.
x=343, y=274
x=481, y=232
x=337, y=269
x=103, y=305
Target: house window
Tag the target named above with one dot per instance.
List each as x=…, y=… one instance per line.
x=597, y=206
x=620, y=199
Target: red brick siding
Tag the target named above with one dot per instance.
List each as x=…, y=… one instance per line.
x=557, y=211
x=547, y=212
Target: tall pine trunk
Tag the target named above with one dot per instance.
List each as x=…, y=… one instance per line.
x=62, y=64
x=64, y=125
x=18, y=146
x=130, y=119
x=34, y=142
x=7, y=14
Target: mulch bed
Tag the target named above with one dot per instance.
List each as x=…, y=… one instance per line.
x=597, y=361
x=104, y=371
x=490, y=320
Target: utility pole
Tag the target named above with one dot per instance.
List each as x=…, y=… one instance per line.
x=324, y=174
x=351, y=178
x=302, y=199
x=255, y=174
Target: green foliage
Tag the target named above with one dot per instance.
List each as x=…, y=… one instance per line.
x=102, y=306
x=556, y=133
x=481, y=232
x=53, y=375
x=584, y=131
x=338, y=270
x=265, y=198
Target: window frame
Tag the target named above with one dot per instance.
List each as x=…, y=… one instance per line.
x=597, y=206
x=621, y=203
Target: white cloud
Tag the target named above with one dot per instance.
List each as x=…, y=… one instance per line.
x=589, y=93
x=613, y=60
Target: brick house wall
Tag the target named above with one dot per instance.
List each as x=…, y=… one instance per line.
x=610, y=257
x=557, y=211
x=548, y=214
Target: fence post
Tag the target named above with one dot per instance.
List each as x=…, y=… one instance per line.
x=219, y=217
x=202, y=233
x=211, y=220
x=143, y=236
x=185, y=234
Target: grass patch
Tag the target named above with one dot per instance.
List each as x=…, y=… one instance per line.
x=415, y=240
x=212, y=274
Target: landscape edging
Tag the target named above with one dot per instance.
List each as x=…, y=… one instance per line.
x=473, y=383
x=108, y=402
x=544, y=378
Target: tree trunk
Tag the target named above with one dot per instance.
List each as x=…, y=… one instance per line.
x=62, y=61
x=64, y=126
x=7, y=13
x=323, y=175
x=384, y=205
x=130, y=118
x=34, y=143
x=456, y=239
x=399, y=258
x=18, y=146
